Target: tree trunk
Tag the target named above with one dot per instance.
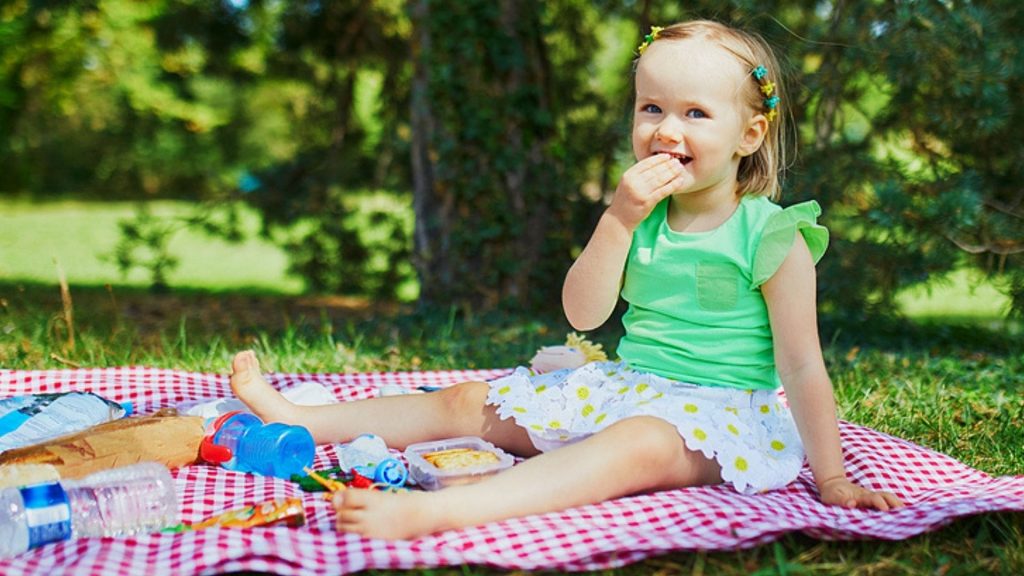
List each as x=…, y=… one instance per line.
x=482, y=181
x=430, y=245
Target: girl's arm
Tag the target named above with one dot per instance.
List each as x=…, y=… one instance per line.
x=592, y=285
x=792, y=308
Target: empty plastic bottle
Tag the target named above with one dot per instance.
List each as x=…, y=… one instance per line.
x=368, y=455
x=122, y=501
x=241, y=441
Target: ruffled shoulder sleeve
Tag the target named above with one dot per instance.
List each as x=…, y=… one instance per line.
x=779, y=231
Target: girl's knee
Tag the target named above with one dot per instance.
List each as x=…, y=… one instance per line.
x=649, y=442
x=465, y=399
x=655, y=445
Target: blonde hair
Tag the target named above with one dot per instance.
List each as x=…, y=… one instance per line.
x=760, y=174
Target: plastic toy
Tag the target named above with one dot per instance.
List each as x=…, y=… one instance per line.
x=576, y=352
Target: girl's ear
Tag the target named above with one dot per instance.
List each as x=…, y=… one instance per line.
x=753, y=135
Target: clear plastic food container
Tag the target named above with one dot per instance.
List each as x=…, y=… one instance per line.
x=431, y=477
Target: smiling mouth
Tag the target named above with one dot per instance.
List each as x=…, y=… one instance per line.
x=683, y=159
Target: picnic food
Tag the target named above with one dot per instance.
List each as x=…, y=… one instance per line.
x=576, y=352
x=455, y=458
x=453, y=461
x=280, y=512
x=162, y=437
x=12, y=475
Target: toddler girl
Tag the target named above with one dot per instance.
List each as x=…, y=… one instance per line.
x=720, y=284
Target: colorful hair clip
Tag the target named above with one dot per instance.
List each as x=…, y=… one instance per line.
x=648, y=39
x=771, y=102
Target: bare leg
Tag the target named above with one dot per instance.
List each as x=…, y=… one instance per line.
x=635, y=455
x=400, y=420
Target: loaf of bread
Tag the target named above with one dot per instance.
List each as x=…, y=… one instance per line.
x=13, y=475
x=169, y=439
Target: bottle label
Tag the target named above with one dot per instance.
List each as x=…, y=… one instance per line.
x=48, y=513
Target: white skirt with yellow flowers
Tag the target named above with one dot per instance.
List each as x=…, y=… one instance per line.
x=750, y=433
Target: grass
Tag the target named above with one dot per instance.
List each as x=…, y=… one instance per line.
x=953, y=382
x=956, y=389
x=81, y=236
x=963, y=295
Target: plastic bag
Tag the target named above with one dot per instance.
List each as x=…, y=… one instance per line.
x=35, y=418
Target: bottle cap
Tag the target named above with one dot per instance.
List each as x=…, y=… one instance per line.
x=391, y=472
x=208, y=450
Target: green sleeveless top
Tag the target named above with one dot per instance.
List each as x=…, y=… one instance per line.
x=696, y=313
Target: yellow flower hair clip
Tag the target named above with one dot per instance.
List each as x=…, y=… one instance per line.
x=771, y=101
x=648, y=39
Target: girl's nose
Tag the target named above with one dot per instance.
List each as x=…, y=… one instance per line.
x=669, y=131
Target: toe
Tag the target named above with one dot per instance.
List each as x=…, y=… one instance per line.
x=244, y=361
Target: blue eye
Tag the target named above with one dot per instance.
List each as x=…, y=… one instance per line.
x=650, y=109
x=695, y=113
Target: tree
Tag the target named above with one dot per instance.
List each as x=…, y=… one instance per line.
x=484, y=151
x=906, y=129
x=505, y=124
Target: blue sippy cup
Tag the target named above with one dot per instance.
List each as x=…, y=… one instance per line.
x=241, y=441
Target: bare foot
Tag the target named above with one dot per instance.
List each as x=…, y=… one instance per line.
x=254, y=391
x=390, y=515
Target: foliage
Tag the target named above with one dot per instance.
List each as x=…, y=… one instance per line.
x=144, y=243
x=492, y=116
x=515, y=117
x=83, y=237
x=908, y=119
x=358, y=244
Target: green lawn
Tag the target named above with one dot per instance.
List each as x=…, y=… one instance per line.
x=964, y=295
x=955, y=389
x=953, y=383
x=81, y=236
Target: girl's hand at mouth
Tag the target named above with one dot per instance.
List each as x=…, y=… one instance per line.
x=644, y=185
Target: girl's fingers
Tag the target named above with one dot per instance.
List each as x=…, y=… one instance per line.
x=657, y=168
x=655, y=160
x=666, y=189
x=878, y=502
x=892, y=500
x=675, y=184
x=884, y=501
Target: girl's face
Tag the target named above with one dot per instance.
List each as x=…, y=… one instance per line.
x=689, y=104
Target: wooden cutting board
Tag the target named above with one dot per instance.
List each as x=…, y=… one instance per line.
x=162, y=437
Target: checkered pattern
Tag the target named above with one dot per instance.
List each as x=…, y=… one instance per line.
x=936, y=488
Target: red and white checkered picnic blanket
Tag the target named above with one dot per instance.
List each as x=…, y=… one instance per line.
x=936, y=488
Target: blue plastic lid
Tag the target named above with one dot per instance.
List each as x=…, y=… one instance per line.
x=391, y=472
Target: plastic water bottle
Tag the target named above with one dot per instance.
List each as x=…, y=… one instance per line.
x=122, y=501
x=368, y=455
x=241, y=441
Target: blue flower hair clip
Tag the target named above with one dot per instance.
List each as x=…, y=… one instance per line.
x=650, y=38
x=771, y=102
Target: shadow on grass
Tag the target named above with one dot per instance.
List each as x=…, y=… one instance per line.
x=118, y=319
x=937, y=336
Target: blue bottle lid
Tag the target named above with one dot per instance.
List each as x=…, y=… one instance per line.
x=47, y=513
x=391, y=472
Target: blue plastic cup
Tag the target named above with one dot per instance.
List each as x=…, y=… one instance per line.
x=241, y=441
